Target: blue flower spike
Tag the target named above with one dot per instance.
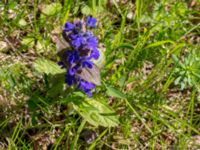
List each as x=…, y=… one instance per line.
x=84, y=49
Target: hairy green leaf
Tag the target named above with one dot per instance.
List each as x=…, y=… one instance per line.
x=51, y=9
x=115, y=92
x=97, y=113
x=47, y=67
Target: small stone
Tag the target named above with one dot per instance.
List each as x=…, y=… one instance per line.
x=89, y=136
x=130, y=15
x=11, y=14
x=3, y=46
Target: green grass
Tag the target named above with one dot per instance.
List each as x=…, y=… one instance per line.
x=149, y=97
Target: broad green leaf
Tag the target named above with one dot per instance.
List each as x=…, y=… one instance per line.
x=115, y=92
x=51, y=9
x=86, y=10
x=28, y=41
x=47, y=67
x=40, y=46
x=97, y=113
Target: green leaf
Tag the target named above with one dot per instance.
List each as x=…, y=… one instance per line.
x=177, y=61
x=40, y=46
x=125, y=45
x=51, y=9
x=47, y=67
x=97, y=113
x=56, y=85
x=32, y=103
x=22, y=22
x=28, y=41
x=86, y=10
x=115, y=92
x=103, y=2
x=159, y=43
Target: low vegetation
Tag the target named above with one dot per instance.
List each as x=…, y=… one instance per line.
x=149, y=97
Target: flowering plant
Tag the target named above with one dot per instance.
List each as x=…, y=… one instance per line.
x=77, y=59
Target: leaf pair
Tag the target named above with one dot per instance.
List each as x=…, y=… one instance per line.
x=97, y=113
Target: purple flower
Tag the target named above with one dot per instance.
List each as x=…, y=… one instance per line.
x=72, y=56
x=87, y=87
x=91, y=22
x=70, y=79
x=87, y=63
x=74, y=69
x=69, y=27
x=61, y=64
x=77, y=40
x=92, y=42
x=94, y=54
x=83, y=49
x=78, y=25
